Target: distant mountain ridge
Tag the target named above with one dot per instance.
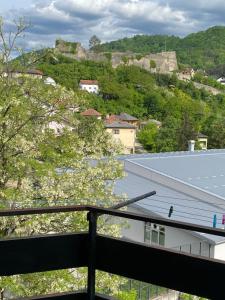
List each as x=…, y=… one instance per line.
x=201, y=50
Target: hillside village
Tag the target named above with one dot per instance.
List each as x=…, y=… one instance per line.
x=165, y=63
x=123, y=128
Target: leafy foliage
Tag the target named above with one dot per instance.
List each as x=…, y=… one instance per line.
x=50, y=155
x=94, y=43
x=147, y=137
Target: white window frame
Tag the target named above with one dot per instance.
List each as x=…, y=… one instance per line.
x=154, y=234
x=116, y=131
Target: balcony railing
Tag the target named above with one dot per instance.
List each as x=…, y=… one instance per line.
x=184, y=272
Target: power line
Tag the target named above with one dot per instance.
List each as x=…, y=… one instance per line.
x=190, y=200
x=187, y=217
x=180, y=211
x=182, y=205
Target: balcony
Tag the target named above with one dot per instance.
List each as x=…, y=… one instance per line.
x=168, y=268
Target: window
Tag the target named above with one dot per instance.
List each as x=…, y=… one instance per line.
x=154, y=234
x=116, y=131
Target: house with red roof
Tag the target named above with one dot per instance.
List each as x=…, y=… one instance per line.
x=122, y=131
x=124, y=117
x=33, y=73
x=91, y=86
x=91, y=113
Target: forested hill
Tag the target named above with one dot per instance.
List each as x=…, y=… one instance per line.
x=183, y=110
x=204, y=49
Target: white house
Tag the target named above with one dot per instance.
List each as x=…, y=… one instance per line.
x=186, y=74
x=91, y=86
x=50, y=81
x=221, y=80
x=191, y=184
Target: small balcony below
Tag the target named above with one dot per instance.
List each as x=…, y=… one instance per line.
x=169, y=268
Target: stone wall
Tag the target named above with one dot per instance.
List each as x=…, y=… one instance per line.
x=165, y=62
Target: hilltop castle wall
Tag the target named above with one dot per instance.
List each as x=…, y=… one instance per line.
x=165, y=62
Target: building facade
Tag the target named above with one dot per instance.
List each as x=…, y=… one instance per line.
x=91, y=86
x=192, y=183
x=123, y=133
x=203, y=141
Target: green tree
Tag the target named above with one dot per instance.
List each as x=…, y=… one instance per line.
x=186, y=132
x=152, y=64
x=46, y=159
x=215, y=130
x=94, y=42
x=147, y=137
x=166, y=139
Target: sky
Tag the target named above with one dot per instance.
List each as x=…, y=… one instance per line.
x=78, y=20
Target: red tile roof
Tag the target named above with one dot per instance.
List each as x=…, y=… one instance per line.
x=90, y=112
x=111, y=119
x=89, y=82
x=35, y=72
x=122, y=117
x=30, y=71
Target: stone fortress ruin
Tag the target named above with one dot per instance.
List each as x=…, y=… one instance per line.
x=163, y=63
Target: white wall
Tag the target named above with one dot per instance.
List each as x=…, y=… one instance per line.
x=219, y=251
x=91, y=88
x=135, y=229
x=174, y=238
x=181, y=239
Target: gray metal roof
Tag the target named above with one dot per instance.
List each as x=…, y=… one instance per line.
x=201, y=170
x=205, y=170
x=118, y=124
x=127, y=117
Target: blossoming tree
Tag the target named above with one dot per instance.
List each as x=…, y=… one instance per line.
x=45, y=165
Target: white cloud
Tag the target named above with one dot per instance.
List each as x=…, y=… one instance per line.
x=112, y=19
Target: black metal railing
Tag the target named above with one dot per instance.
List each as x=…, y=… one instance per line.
x=151, y=264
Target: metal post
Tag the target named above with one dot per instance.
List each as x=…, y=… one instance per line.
x=133, y=200
x=92, y=218
x=139, y=291
x=130, y=284
x=148, y=292
x=2, y=294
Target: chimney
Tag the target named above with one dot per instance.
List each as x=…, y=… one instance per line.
x=191, y=145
